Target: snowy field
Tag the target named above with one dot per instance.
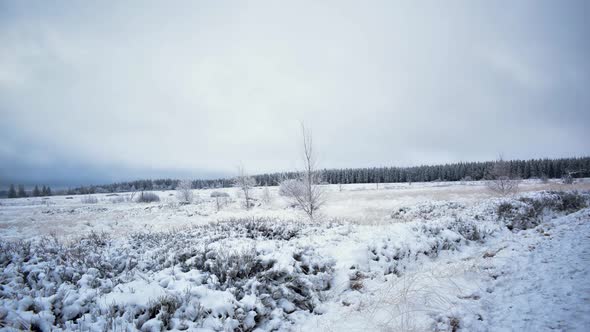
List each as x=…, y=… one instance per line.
x=394, y=257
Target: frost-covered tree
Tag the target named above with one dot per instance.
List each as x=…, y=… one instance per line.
x=184, y=191
x=220, y=199
x=245, y=183
x=266, y=197
x=11, y=191
x=306, y=192
x=501, y=180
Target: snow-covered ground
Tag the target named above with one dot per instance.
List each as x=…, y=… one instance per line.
x=393, y=257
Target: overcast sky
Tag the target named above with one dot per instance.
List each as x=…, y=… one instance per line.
x=94, y=91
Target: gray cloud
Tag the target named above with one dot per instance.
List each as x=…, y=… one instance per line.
x=195, y=89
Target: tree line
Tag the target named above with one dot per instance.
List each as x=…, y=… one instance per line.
x=21, y=192
x=462, y=171
x=523, y=169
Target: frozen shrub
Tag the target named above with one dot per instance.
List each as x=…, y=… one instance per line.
x=427, y=211
x=469, y=231
x=519, y=215
x=504, y=209
x=163, y=308
x=89, y=199
x=560, y=201
x=184, y=192
x=392, y=256
x=571, y=201
x=527, y=212
x=148, y=197
x=72, y=277
x=266, y=228
x=356, y=280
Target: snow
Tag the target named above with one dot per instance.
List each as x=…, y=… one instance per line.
x=543, y=278
x=430, y=256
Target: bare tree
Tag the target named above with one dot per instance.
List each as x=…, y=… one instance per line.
x=245, y=183
x=500, y=179
x=220, y=199
x=305, y=192
x=184, y=191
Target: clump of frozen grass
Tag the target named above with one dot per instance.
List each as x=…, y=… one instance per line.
x=159, y=313
x=263, y=227
x=400, y=301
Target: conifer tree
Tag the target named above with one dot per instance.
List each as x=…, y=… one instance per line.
x=21, y=191
x=36, y=192
x=11, y=192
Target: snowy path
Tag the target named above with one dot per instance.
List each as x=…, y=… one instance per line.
x=543, y=279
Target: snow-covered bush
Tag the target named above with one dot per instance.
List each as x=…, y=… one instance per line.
x=147, y=197
x=184, y=192
x=428, y=211
x=266, y=228
x=48, y=284
x=528, y=211
x=571, y=201
x=394, y=255
x=518, y=215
